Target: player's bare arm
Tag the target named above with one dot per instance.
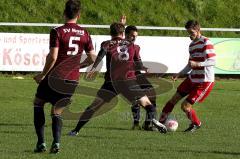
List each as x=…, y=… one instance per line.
x=99, y=58
x=50, y=61
x=184, y=71
x=207, y=62
x=91, y=57
x=140, y=66
x=194, y=64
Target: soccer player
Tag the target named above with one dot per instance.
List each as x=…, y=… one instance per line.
x=200, y=81
x=131, y=33
x=119, y=78
x=59, y=77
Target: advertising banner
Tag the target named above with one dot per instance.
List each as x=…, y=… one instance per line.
x=27, y=52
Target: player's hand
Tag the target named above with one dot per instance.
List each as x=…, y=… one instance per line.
x=38, y=78
x=146, y=70
x=91, y=74
x=123, y=19
x=194, y=64
x=175, y=77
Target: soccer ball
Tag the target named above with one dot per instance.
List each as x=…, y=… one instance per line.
x=171, y=125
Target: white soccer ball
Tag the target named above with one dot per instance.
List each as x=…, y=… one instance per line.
x=171, y=125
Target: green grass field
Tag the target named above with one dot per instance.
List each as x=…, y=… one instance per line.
x=109, y=135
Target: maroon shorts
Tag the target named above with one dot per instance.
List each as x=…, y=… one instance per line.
x=196, y=92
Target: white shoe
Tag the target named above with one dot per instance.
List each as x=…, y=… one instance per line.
x=161, y=128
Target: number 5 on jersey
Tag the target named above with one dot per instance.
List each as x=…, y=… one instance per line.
x=72, y=45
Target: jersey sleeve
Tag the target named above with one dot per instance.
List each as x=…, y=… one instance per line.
x=137, y=56
x=209, y=49
x=54, y=38
x=101, y=54
x=210, y=54
x=89, y=46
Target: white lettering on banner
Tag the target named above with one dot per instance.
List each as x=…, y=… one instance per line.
x=12, y=40
x=16, y=57
x=23, y=52
x=27, y=52
x=33, y=40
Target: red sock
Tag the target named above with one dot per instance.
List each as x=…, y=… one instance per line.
x=166, y=111
x=193, y=117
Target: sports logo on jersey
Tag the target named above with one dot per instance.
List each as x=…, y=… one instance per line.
x=123, y=54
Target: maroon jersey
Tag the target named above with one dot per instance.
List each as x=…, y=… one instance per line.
x=137, y=51
x=137, y=59
x=120, y=59
x=71, y=40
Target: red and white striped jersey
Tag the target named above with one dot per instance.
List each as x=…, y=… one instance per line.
x=202, y=51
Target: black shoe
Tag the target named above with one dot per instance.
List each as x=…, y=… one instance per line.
x=136, y=126
x=161, y=128
x=73, y=133
x=149, y=127
x=146, y=126
x=192, y=128
x=55, y=148
x=40, y=148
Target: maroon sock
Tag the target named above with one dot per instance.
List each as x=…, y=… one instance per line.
x=166, y=111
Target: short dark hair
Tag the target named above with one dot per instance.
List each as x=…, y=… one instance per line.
x=192, y=24
x=72, y=8
x=116, y=29
x=130, y=28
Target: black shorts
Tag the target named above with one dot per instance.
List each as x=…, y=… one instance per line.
x=107, y=92
x=143, y=82
x=129, y=89
x=55, y=91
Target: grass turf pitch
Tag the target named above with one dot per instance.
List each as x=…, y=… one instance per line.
x=109, y=135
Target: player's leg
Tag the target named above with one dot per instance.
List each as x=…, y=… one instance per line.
x=167, y=109
x=136, y=116
x=199, y=92
x=191, y=115
x=131, y=90
x=135, y=95
x=57, y=121
x=145, y=102
x=147, y=125
x=151, y=110
x=87, y=115
x=150, y=92
x=183, y=89
x=149, y=107
x=39, y=121
x=41, y=97
x=105, y=94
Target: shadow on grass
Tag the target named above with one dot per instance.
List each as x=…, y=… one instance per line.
x=224, y=89
x=155, y=149
x=100, y=137
x=227, y=153
x=109, y=128
x=211, y=152
x=15, y=124
x=13, y=132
